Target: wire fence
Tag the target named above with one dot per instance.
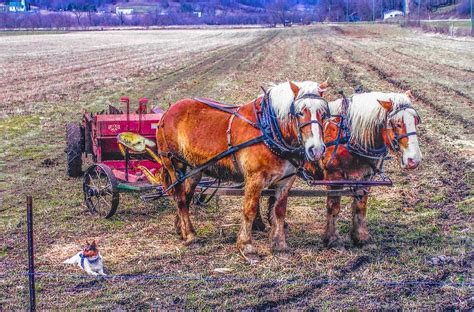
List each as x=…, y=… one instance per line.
x=293, y=280
x=289, y=280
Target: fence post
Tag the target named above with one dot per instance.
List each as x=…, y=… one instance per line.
x=31, y=263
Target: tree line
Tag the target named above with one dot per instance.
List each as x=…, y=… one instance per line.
x=91, y=13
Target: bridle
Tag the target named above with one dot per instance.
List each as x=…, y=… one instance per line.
x=395, y=141
x=300, y=125
x=271, y=136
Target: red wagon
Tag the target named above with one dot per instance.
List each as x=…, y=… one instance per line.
x=111, y=173
x=122, y=146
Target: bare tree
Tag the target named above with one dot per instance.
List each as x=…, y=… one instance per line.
x=278, y=10
x=121, y=17
x=78, y=14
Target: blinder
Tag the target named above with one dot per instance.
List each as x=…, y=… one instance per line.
x=395, y=142
x=301, y=125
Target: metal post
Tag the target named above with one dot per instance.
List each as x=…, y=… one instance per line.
x=472, y=22
x=31, y=263
x=127, y=160
x=347, y=10
x=419, y=17
x=126, y=100
x=373, y=10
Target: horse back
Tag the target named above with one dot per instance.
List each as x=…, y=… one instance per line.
x=197, y=132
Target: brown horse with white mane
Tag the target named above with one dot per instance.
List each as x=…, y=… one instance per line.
x=193, y=132
x=376, y=123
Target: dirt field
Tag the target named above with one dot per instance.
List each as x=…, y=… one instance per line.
x=422, y=253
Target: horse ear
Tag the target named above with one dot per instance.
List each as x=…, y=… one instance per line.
x=387, y=105
x=410, y=94
x=87, y=243
x=93, y=243
x=294, y=88
x=324, y=85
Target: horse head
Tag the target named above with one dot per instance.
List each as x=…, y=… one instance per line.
x=301, y=109
x=400, y=134
x=379, y=120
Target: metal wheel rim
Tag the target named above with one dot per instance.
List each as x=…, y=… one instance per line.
x=103, y=199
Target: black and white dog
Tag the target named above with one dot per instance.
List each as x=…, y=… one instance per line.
x=89, y=260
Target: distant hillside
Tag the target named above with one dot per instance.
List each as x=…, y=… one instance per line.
x=98, y=13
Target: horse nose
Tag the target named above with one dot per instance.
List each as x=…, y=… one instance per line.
x=412, y=163
x=315, y=152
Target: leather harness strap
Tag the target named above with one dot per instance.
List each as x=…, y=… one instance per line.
x=271, y=135
x=229, y=142
x=230, y=109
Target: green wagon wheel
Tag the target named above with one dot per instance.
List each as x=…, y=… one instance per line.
x=100, y=190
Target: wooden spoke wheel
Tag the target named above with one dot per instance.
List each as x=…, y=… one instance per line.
x=100, y=190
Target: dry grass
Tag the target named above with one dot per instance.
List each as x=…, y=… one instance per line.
x=426, y=215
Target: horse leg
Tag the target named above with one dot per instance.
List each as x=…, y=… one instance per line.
x=278, y=214
x=182, y=194
x=331, y=236
x=183, y=223
x=258, y=224
x=253, y=189
x=360, y=233
x=167, y=176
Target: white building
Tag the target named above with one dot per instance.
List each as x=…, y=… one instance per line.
x=123, y=11
x=16, y=7
x=392, y=14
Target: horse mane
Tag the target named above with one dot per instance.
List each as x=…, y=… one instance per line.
x=365, y=115
x=281, y=98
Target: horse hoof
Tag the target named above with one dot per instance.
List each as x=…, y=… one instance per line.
x=284, y=255
x=192, y=241
x=360, y=239
x=248, y=252
x=358, y=242
x=332, y=242
x=251, y=258
x=279, y=246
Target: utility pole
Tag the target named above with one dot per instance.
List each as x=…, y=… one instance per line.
x=373, y=10
x=347, y=10
x=419, y=6
x=472, y=22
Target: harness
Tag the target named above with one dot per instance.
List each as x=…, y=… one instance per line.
x=83, y=257
x=394, y=144
x=267, y=122
x=377, y=154
x=271, y=135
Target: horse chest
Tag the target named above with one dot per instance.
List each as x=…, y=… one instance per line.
x=345, y=165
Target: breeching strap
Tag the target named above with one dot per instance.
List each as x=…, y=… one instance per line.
x=214, y=160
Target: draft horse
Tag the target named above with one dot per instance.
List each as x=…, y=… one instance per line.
x=260, y=143
x=364, y=129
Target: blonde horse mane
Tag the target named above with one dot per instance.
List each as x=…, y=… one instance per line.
x=281, y=98
x=365, y=114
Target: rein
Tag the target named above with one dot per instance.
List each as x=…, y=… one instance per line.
x=272, y=137
x=394, y=143
x=353, y=147
x=267, y=121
